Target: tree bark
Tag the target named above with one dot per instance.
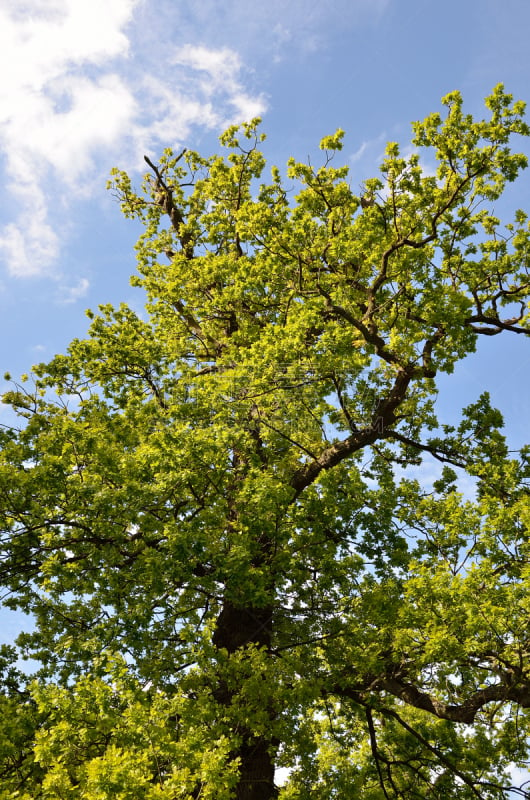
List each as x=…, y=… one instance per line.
x=237, y=628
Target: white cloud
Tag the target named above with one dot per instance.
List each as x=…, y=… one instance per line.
x=359, y=153
x=220, y=66
x=246, y=107
x=29, y=243
x=203, y=88
x=45, y=135
x=70, y=294
x=52, y=116
x=73, y=89
x=28, y=251
x=219, y=71
x=38, y=38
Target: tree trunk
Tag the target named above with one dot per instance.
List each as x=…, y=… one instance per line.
x=237, y=628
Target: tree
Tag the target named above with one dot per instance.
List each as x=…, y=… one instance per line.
x=215, y=512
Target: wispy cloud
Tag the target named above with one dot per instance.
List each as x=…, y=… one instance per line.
x=70, y=294
x=87, y=85
x=219, y=71
x=29, y=244
x=72, y=88
x=274, y=28
x=366, y=159
x=200, y=86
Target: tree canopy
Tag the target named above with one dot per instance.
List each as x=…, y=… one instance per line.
x=215, y=512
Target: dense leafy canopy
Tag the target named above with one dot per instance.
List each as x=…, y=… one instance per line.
x=215, y=512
